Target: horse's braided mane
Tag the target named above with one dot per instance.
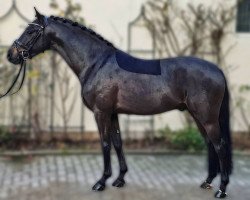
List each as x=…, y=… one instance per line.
x=84, y=28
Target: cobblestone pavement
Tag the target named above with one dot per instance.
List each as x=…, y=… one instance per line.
x=173, y=177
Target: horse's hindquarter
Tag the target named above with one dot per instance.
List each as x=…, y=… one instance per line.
x=202, y=82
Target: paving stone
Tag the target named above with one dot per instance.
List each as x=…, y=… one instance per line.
x=150, y=177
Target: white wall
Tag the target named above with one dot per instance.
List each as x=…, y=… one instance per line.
x=110, y=18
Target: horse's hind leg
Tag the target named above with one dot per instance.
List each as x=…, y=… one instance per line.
x=209, y=117
x=213, y=160
x=217, y=146
x=117, y=142
x=213, y=166
x=214, y=134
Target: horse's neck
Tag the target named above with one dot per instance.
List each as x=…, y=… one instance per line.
x=80, y=51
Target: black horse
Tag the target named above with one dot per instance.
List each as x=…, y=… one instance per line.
x=114, y=82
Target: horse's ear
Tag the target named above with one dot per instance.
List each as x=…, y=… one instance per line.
x=39, y=16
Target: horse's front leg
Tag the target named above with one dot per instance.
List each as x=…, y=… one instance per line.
x=103, y=121
x=117, y=142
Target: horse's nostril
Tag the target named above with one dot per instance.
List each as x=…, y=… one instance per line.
x=9, y=55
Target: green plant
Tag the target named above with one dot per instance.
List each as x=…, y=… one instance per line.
x=165, y=133
x=187, y=138
x=5, y=135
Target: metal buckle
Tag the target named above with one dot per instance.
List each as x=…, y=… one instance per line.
x=25, y=55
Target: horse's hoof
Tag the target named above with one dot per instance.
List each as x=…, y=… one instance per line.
x=98, y=187
x=206, y=185
x=220, y=195
x=119, y=183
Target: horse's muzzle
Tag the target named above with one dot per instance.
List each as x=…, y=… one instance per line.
x=13, y=56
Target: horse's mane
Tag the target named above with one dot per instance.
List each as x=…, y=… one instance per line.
x=84, y=28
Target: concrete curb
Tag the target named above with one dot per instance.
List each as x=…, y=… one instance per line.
x=98, y=152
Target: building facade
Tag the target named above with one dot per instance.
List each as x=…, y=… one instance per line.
x=111, y=19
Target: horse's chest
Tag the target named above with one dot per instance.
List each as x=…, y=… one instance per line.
x=98, y=96
x=88, y=97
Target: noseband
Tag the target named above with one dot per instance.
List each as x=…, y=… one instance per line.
x=25, y=54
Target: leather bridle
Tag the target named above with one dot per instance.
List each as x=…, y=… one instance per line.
x=25, y=54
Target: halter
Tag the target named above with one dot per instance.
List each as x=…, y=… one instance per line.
x=25, y=54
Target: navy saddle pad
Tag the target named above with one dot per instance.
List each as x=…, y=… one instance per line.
x=136, y=65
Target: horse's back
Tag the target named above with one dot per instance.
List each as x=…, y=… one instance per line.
x=181, y=66
x=191, y=64
x=190, y=71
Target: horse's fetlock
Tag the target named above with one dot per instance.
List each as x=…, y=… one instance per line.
x=124, y=170
x=107, y=174
x=225, y=179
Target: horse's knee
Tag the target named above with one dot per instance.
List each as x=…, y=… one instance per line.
x=106, y=147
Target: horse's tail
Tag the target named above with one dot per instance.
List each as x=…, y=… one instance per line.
x=224, y=121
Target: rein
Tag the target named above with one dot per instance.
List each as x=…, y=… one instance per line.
x=25, y=54
x=23, y=66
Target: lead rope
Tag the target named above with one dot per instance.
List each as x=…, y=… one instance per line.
x=23, y=66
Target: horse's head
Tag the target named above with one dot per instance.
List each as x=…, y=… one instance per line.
x=32, y=41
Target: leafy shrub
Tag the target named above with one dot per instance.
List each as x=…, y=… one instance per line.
x=5, y=135
x=165, y=133
x=187, y=138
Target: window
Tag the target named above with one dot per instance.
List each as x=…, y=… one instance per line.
x=243, y=16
